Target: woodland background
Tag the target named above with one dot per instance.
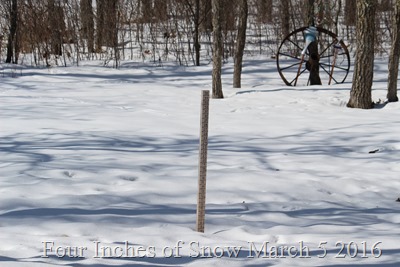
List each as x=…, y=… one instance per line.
x=65, y=32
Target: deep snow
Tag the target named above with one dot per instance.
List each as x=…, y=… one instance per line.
x=94, y=157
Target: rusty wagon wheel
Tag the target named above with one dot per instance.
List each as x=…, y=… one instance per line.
x=334, y=58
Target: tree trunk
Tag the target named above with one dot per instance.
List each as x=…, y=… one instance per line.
x=285, y=18
x=88, y=23
x=146, y=11
x=312, y=64
x=217, y=49
x=350, y=16
x=11, y=45
x=310, y=12
x=240, y=43
x=100, y=24
x=360, y=95
x=339, y=10
x=106, y=28
x=264, y=11
x=196, y=38
x=394, y=57
x=206, y=18
x=111, y=19
x=56, y=18
x=161, y=10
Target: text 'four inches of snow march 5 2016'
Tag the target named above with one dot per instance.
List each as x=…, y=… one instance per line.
x=194, y=249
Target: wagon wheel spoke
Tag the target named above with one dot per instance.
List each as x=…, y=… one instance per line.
x=287, y=55
x=332, y=55
x=297, y=76
x=330, y=45
x=329, y=74
x=327, y=56
x=336, y=66
x=290, y=66
x=295, y=44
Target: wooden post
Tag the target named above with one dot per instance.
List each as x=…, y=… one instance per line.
x=201, y=195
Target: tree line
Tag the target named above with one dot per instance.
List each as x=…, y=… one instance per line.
x=66, y=32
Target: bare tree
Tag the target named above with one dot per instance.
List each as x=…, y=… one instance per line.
x=56, y=26
x=44, y=28
x=309, y=7
x=394, y=56
x=264, y=11
x=111, y=22
x=350, y=15
x=240, y=43
x=87, y=20
x=160, y=10
x=194, y=13
x=196, y=36
x=337, y=16
x=285, y=17
x=360, y=95
x=218, y=47
x=101, y=24
x=12, y=50
x=107, y=19
x=206, y=10
x=313, y=61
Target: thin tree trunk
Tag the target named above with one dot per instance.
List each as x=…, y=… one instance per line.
x=111, y=21
x=285, y=18
x=361, y=91
x=394, y=57
x=87, y=17
x=217, y=49
x=100, y=23
x=13, y=32
x=56, y=18
x=350, y=8
x=240, y=43
x=310, y=12
x=339, y=10
x=313, y=60
x=196, y=41
x=206, y=15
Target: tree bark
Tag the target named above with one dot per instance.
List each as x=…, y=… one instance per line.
x=106, y=28
x=394, y=57
x=206, y=18
x=11, y=45
x=56, y=26
x=285, y=18
x=313, y=64
x=264, y=11
x=350, y=15
x=361, y=95
x=87, y=18
x=111, y=19
x=217, y=49
x=310, y=12
x=99, y=24
x=196, y=37
x=240, y=43
x=161, y=10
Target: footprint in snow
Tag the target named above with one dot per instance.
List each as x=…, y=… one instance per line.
x=69, y=174
x=129, y=178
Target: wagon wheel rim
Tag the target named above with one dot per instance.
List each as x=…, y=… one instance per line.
x=334, y=62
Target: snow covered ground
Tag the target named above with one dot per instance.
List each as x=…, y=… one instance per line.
x=99, y=168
